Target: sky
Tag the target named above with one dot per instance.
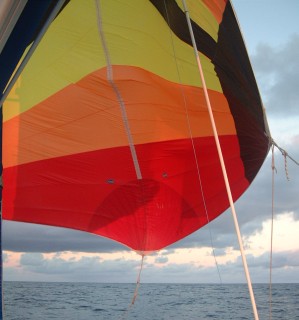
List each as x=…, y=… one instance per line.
x=210, y=255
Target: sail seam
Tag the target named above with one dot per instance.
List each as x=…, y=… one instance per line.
x=117, y=93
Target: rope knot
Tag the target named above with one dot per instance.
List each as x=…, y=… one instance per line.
x=285, y=155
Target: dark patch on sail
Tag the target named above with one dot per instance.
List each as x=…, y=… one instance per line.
x=234, y=71
x=27, y=28
x=176, y=20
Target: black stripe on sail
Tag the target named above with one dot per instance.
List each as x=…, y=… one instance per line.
x=238, y=83
x=176, y=20
x=235, y=74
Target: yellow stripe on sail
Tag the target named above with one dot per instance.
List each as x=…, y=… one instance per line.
x=136, y=35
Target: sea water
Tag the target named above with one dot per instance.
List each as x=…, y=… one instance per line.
x=71, y=301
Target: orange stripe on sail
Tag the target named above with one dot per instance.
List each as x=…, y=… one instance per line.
x=86, y=116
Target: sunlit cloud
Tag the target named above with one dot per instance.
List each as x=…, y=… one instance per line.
x=285, y=235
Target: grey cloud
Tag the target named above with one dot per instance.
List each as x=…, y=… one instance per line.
x=35, y=262
x=84, y=269
x=4, y=256
x=285, y=267
x=280, y=260
x=35, y=266
x=161, y=260
x=286, y=259
x=31, y=259
x=24, y=237
x=277, y=72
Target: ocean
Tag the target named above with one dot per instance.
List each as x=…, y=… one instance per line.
x=71, y=301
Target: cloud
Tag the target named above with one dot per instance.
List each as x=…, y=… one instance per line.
x=31, y=259
x=161, y=260
x=277, y=71
x=36, y=266
x=285, y=267
x=21, y=237
x=286, y=259
x=4, y=256
x=280, y=260
x=84, y=269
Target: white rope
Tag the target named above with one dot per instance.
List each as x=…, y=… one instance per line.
x=126, y=313
x=271, y=239
x=138, y=281
x=227, y=185
x=117, y=93
x=193, y=148
x=285, y=155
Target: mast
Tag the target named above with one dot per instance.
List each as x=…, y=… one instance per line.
x=221, y=159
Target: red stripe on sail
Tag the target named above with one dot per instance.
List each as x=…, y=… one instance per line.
x=98, y=191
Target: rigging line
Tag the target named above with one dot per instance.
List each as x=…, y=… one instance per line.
x=123, y=111
x=117, y=92
x=138, y=281
x=284, y=152
x=125, y=315
x=286, y=166
x=31, y=50
x=145, y=221
x=225, y=176
x=193, y=146
x=271, y=240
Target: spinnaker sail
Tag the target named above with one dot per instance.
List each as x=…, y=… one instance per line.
x=107, y=129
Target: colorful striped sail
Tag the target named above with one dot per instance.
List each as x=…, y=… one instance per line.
x=107, y=129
